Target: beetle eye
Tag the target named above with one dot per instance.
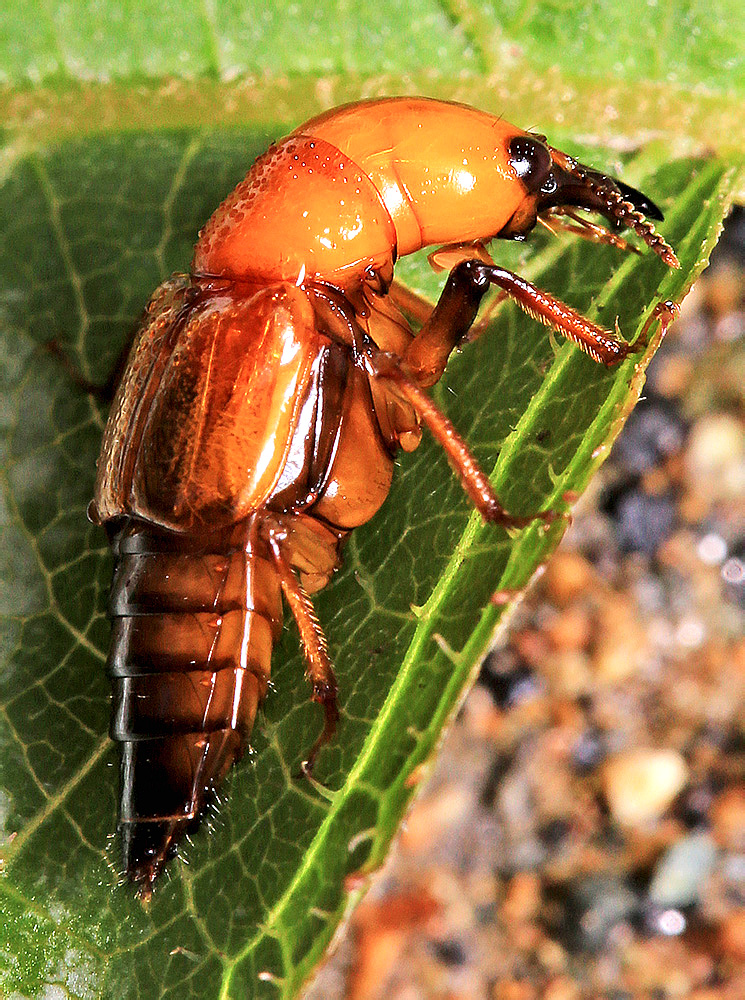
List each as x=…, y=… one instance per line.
x=530, y=160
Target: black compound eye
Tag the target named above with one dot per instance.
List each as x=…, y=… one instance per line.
x=530, y=160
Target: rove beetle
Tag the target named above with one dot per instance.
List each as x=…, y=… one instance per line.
x=266, y=395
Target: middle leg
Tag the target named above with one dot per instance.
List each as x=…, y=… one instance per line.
x=475, y=481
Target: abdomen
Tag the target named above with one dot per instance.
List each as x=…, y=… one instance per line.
x=193, y=625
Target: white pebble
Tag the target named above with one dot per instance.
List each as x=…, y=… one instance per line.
x=639, y=785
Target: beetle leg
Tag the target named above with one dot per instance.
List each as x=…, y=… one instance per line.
x=315, y=649
x=103, y=391
x=427, y=355
x=414, y=306
x=447, y=325
x=474, y=480
x=419, y=309
x=584, y=228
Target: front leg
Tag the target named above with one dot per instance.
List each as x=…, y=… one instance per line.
x=452, y=317
x=426, y=357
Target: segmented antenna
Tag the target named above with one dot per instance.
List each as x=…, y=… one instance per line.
x=628, y=215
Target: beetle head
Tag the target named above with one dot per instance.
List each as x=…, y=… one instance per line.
x=555, y=181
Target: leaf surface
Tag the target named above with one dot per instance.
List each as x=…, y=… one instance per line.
x=96, y=208
x=616, y=75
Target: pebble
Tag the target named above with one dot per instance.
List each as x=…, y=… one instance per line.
x=644, y=521
x=571, y=629
x=570, y=673
x=568, y=576
x=561, y=988
x=480, y=714
x=728, y=819
x=723, y=289
x=715, y=457
x=673, y=376
x=683, y=871
x=654, y=430
x=509, y=680
x=639, y=785
x=433, y=817
x=523, y=899
x=513, y=989
x=449, y=952
x=552, y=957
x=622, y=644
x=590, y=908
x=732, y=935
x=588, y=751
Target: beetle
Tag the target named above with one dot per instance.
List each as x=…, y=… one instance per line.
x=265, y=396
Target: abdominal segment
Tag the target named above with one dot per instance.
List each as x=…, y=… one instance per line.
x=193, y=626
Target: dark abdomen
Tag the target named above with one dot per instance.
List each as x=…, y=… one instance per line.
x=193, y=627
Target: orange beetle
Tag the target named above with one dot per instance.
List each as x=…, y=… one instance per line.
x=264, y=399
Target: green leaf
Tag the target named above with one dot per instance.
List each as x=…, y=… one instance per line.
x=96, y=208
x=89, y=229
x=673, y=44
x=614, y=74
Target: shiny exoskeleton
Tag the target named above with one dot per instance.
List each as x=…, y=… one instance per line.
x=266, y=395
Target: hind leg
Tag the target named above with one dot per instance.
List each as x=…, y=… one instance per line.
x=104, y=391
x=315, y=649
